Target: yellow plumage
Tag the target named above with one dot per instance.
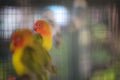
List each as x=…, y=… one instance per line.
x=43, y=28
x=29, y=55
x=18, y=52
x=18, y=65
x=47, y=43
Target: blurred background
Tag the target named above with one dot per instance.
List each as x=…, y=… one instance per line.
x=86, y=35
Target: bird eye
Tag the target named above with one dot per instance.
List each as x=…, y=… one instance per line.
x=39, y=25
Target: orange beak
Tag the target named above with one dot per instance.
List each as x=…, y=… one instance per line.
x=35, y=27
x=12, y=47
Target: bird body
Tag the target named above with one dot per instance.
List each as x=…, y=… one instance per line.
x=18, y=53
x=17, y=63
x=29, y=56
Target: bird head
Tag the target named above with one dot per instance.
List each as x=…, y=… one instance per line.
x=20, y=39
x=43, y=28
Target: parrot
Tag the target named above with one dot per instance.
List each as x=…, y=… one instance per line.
x=49, y=16
x=44, y=30
x=29, y=58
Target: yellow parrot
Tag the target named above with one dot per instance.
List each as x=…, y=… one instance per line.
x=44, y=33
x=29, y=56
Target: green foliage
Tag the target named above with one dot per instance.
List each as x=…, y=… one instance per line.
x=99, y=31
x=101, y=55
x=108, y=74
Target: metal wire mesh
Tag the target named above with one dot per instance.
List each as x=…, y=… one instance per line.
x=79, y=56
x=19, y=14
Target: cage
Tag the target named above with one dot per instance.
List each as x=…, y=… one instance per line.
x=85, y=36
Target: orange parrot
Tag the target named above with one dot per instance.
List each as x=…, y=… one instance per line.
x=29, y=56
x=44, y=30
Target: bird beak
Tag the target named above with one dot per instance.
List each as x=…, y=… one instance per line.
x=35, y=28
x=12, y=47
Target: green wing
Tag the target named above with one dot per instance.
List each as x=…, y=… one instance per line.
x=47, y=59
x=37, y=60
x=38, y=38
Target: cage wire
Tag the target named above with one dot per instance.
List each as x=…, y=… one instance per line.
x=20, y=14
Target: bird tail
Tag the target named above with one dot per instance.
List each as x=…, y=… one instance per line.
x=52, y=69
x=43, y=76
